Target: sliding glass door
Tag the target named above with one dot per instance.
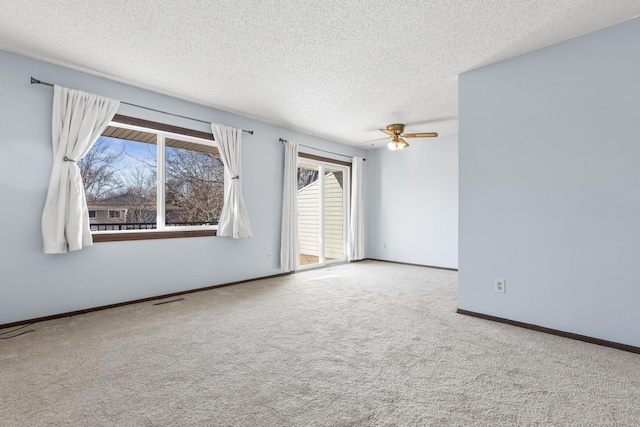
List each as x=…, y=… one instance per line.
x=323, y=190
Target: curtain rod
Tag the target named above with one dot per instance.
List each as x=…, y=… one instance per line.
x=39, y=82
x=282, y=141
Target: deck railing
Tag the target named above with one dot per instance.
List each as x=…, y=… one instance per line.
x=120, y=226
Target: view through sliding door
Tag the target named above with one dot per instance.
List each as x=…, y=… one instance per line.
x=323, y=190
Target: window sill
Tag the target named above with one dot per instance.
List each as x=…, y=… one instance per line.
x=149, y=235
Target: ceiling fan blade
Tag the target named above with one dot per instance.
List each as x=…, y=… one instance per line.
x=387, y=131
x=420, y=135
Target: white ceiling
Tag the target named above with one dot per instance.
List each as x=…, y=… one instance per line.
x=335, y=69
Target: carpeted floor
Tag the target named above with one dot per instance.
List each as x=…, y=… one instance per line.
x=363, y=344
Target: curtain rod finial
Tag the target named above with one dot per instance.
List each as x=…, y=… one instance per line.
x=34, y=81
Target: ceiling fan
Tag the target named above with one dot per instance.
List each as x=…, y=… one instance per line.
x=397, y=143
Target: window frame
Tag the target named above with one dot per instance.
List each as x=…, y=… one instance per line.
x=161, y=232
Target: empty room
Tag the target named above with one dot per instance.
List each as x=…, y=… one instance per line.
x=319, y=213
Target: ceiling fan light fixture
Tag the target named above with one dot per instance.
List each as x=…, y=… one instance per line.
x=397, y=144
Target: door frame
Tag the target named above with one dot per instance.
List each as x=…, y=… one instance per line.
x=323, y=163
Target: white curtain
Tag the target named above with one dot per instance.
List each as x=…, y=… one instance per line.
x=356, y=223
x=78, y=119
x=289, y=241
x=234, y=220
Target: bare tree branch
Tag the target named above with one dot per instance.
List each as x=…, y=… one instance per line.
x=306, y=176
x=99, y=171
x=195, y=185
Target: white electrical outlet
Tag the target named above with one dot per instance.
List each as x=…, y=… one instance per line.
x=500, y=285
x=268, y=256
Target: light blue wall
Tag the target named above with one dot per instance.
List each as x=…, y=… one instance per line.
x=413, y=203
x=549, y=179
x=33, y=284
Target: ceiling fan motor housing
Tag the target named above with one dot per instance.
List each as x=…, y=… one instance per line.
x=396, y=128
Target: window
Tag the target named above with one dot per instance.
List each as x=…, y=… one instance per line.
x=92, y=214
x=154, y=180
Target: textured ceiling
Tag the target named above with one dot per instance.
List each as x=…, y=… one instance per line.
x=335, y=69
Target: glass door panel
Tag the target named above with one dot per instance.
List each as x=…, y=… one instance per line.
x=333, y=206
x=309, y=214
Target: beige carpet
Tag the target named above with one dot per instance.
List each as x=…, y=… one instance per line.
x=364, y=344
